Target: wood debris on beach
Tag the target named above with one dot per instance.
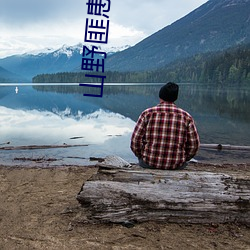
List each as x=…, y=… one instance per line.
x=120, y=194
x=30, y=147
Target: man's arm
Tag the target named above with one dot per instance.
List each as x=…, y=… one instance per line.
x=138, y=136
x=193, y=141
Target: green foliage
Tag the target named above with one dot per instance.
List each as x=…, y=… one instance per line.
x=214, y=26
x=231, y=66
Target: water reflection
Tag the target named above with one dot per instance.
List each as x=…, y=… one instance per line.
x=230, y=102
x=222, y=113
x=29, y=127
x=226, y=101
x=101, y=131
x=54, y=114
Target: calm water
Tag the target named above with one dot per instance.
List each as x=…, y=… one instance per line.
x=58, y=114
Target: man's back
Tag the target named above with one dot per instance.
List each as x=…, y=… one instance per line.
x=165, y=136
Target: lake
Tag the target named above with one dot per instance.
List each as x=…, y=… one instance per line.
x=59, y=114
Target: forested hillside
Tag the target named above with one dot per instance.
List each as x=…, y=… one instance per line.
x=231, y=66
x=216, y=25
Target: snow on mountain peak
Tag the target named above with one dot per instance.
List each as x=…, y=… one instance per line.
x=75, y=49
x=78, y=48
x=67, y=50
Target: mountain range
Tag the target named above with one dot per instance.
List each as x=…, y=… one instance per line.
x=7, y=76
x=64, y=59
x=214, y=26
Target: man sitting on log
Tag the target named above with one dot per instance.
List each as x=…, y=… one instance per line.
x=165, y=136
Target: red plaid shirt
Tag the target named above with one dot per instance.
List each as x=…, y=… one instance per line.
x=165, y=136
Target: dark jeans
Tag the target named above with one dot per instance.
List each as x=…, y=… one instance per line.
x=145, y=165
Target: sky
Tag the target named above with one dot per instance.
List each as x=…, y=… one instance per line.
x=32, y=25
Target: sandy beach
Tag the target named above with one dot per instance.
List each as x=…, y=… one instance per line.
x=39, y=210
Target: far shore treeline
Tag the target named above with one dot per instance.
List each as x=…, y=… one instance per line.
x=231, y=66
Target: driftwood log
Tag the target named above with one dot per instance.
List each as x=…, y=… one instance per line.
x=30, y=147
x=118, y=195
x=224, y=147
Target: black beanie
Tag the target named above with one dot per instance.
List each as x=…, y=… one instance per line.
x=169, y=92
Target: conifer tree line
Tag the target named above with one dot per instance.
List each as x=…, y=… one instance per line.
x=231, y=66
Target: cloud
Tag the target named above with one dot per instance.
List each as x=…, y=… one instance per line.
x=27, y=25
x=149, y=15
x=142, y=15
x=28, y=12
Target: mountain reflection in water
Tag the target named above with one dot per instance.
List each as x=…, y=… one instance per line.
x=52, y=114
